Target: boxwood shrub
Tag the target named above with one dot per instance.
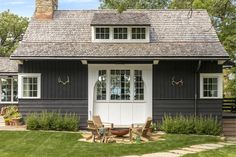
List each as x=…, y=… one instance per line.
x=52, y=121
x=201, y=125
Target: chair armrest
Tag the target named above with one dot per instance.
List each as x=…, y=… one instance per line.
x=107, y=123
x=137, y=125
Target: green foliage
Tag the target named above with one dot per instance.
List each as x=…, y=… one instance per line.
x=230, y=82
x=122, y=5
x=52, y=121
x=201, y=125
x=12, y=112
x=71, y=122
x=12, y=28
x=32, y=121
x=207, y=126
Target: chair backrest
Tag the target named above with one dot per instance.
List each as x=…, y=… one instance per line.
x=146, y=126
x=91, y=125
x=93, y=128
x=97, y=121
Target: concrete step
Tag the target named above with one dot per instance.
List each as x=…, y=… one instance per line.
x=2, y=121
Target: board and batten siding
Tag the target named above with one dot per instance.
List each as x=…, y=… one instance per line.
x=174, y=99
x=70, y=98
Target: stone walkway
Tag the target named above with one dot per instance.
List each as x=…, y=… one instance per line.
x=13, y=128
x=187, y=150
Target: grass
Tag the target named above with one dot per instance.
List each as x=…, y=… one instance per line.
x=55, y=144
x=228, y=151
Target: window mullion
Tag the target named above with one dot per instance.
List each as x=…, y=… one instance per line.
x=132, y=84
x=108, y=85
x=1, y=89
x=111, y=33
x=12, y=90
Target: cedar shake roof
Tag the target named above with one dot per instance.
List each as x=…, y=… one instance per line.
x=173, y=33
x=123, y=19
x=8, y=67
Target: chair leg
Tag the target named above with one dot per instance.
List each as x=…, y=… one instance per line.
x=88, y=138
x=94, y=138
x=130, y=135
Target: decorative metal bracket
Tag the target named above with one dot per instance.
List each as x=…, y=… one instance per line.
x=179, y=83
x=64, y=82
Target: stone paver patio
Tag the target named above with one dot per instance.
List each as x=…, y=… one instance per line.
x=187, y=150
x=13, y=128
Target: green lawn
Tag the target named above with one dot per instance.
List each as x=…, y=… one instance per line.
x=59, y=144
x=228, y=151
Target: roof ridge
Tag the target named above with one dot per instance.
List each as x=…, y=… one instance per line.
x=134, y=10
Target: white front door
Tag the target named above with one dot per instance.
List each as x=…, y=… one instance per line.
x=120, y=94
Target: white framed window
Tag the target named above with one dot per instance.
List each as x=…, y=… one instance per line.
x=139, y=33
x=102, y=33
x=121, y=34
x=120, y=84
x=9, y=92
x=211, y=85
x=101, y=85
x=29, y=86
x=138, y=85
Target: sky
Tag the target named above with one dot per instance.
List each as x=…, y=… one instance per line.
x=26, y=7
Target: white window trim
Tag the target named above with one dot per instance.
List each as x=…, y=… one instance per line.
x=129, y=40
x=219, y=77
x=20, y=85
x=8, y=102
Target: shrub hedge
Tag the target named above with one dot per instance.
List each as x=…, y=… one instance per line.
x=201, y=125
x=52, y=121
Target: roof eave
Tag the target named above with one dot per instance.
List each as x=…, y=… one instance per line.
x=148, y=58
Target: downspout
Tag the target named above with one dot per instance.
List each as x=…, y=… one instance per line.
x=195, y=87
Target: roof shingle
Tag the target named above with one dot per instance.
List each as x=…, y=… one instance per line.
x=123, y=19
x=7, y=66
x=172, y=33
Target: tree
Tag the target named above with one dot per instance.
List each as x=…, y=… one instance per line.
x=12, y=28
x=122, y=5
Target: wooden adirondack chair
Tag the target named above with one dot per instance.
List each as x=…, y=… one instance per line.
x=141, y=130
x=98, y=122
x=96, y=132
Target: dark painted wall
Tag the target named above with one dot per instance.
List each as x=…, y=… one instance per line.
x=173, y=99
x=70, y=98
x=74, y=96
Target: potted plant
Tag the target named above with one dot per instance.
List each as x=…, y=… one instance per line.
x=7, y=121
x=16, y=117
x=12, y=116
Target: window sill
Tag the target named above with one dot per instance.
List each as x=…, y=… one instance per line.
x=30, y=98
x=8, y=102
x=120, y=101
x=211, y=97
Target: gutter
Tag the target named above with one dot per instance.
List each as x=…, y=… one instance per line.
x=150, y=58
x=195, y=87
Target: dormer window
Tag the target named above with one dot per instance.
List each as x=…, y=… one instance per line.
x=121, y=33
x=120, y=28
x=138, y=33
x=102, y=33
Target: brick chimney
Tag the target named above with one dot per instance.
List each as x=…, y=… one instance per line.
x=45, y=8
